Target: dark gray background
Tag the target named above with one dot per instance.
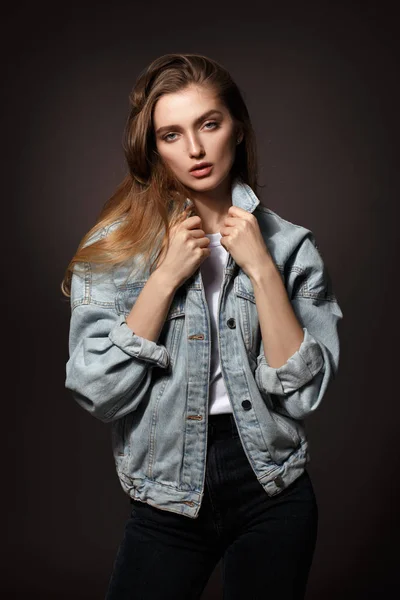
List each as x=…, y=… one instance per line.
x=321, y=84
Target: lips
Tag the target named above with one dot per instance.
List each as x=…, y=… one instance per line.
x=201, y=165
x=203, y=172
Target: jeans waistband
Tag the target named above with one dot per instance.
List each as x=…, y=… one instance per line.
x=222, y=426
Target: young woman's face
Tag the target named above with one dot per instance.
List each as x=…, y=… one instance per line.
x=193, y=126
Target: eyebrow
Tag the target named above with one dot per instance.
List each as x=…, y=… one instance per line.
x=198, y=120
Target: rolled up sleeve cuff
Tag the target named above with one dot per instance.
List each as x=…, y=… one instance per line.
x=139, y=347
x=298, y=370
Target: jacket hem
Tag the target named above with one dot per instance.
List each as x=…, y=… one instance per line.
x=188, y=503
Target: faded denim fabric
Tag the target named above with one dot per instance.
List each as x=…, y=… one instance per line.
x=155, y=394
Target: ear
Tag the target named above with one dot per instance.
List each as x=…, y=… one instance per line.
x=239, y=135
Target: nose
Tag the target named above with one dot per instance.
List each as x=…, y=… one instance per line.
x=195, y=147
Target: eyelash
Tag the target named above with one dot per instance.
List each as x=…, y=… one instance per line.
x=166, y=139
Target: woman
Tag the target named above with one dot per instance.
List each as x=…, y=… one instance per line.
x=204, y=329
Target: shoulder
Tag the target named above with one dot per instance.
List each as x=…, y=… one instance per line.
x=271, y=217
x=103, y=232
x=92, y=283
x=297, y=255
x=282, y=236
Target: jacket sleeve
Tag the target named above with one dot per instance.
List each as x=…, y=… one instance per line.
x=297, y=387
x=110, y=367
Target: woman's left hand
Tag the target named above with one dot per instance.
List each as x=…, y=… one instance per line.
x=241, y=237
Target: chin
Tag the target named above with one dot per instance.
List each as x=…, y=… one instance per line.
x=207, y=183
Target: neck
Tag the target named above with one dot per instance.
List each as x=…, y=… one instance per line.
x=212, y=206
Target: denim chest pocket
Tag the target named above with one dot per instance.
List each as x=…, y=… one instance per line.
x=247, y=310
x=126, y=297
x=171, y=330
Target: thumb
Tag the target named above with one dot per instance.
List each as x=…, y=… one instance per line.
x=184, y=214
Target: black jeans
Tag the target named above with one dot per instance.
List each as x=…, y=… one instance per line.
x=266, y=543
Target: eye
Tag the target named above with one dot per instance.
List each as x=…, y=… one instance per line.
x=167, y=138
x=214, y=124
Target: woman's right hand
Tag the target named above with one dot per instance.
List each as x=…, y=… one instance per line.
x=188, y=248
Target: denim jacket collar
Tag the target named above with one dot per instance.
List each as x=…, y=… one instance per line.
x=242, y=196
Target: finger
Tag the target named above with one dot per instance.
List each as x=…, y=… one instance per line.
x=179, y=219
x=183, y=215
x=193, y=222
x=197, y=233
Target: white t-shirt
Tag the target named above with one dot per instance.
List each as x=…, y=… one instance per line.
x=212, y=272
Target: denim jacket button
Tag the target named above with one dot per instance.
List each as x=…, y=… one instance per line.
x=246, y=404
x=279, y=481
x=231, y=323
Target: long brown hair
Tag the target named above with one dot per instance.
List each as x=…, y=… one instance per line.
x=150, y=197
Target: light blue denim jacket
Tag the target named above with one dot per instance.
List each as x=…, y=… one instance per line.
x=155, y=394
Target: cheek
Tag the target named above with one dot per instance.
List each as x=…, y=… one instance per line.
x=226, y=147
x=176, y=163
x=170, y=158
